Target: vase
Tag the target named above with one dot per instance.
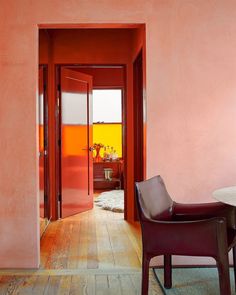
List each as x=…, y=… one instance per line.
x=97, y=157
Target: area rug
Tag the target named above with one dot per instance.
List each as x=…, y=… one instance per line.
x=111, y=200
x=192, y=281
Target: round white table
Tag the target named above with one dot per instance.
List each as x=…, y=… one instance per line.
x=226, y=195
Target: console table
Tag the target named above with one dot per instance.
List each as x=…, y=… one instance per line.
x=99, y=181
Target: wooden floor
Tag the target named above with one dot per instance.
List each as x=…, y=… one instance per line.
x=92, y=253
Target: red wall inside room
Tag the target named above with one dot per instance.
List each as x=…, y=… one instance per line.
x=96, y=46
x=106, y=77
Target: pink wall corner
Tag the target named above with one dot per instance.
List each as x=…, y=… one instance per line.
x=191, y=106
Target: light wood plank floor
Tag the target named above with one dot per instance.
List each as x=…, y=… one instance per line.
x=92, y=253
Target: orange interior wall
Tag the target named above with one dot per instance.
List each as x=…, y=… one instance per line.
x=43, y=50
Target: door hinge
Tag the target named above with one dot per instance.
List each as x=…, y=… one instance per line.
x=59, y=87
x=59, y=142
x=45, y=198
x=59, y=206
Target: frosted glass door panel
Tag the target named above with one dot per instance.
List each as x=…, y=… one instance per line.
x=75, y=153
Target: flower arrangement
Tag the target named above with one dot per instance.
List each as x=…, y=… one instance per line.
x=98, y=146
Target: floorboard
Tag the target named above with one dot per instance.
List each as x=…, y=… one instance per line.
x=93, y=253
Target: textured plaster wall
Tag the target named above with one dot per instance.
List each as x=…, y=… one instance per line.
x=191, y=105
x=191, y=68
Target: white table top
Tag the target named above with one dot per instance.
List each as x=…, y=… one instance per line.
x=226, y=195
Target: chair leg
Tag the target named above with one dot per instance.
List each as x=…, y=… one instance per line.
x=224, y=280
x=234, y=261
x=167, y=271
x=145, y=273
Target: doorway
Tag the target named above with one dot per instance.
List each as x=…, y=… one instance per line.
x=80, y=49
x=90, y=138
x=108, y=166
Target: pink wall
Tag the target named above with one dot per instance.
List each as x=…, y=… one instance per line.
x=191, y=70
x=191, y=106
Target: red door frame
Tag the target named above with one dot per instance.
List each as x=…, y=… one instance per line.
x=55, y=137
x=52, y=86
x=58, y=124
x=47, y=211
x=139, y=124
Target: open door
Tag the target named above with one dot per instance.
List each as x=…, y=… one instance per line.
x=43, y=147
x=76, y=157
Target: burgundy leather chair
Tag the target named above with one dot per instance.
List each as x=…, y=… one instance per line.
x=170, y=228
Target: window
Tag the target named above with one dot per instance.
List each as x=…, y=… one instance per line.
x=107, y=118
x=107, y=106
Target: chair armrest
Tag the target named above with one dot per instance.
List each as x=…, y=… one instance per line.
x=204, y=211
x=199, y=237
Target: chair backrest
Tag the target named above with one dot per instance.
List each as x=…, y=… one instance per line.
x=153, y=200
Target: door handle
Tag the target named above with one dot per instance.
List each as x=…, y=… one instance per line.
x=90, y=149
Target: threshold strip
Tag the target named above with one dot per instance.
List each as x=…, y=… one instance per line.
x=68, y=272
